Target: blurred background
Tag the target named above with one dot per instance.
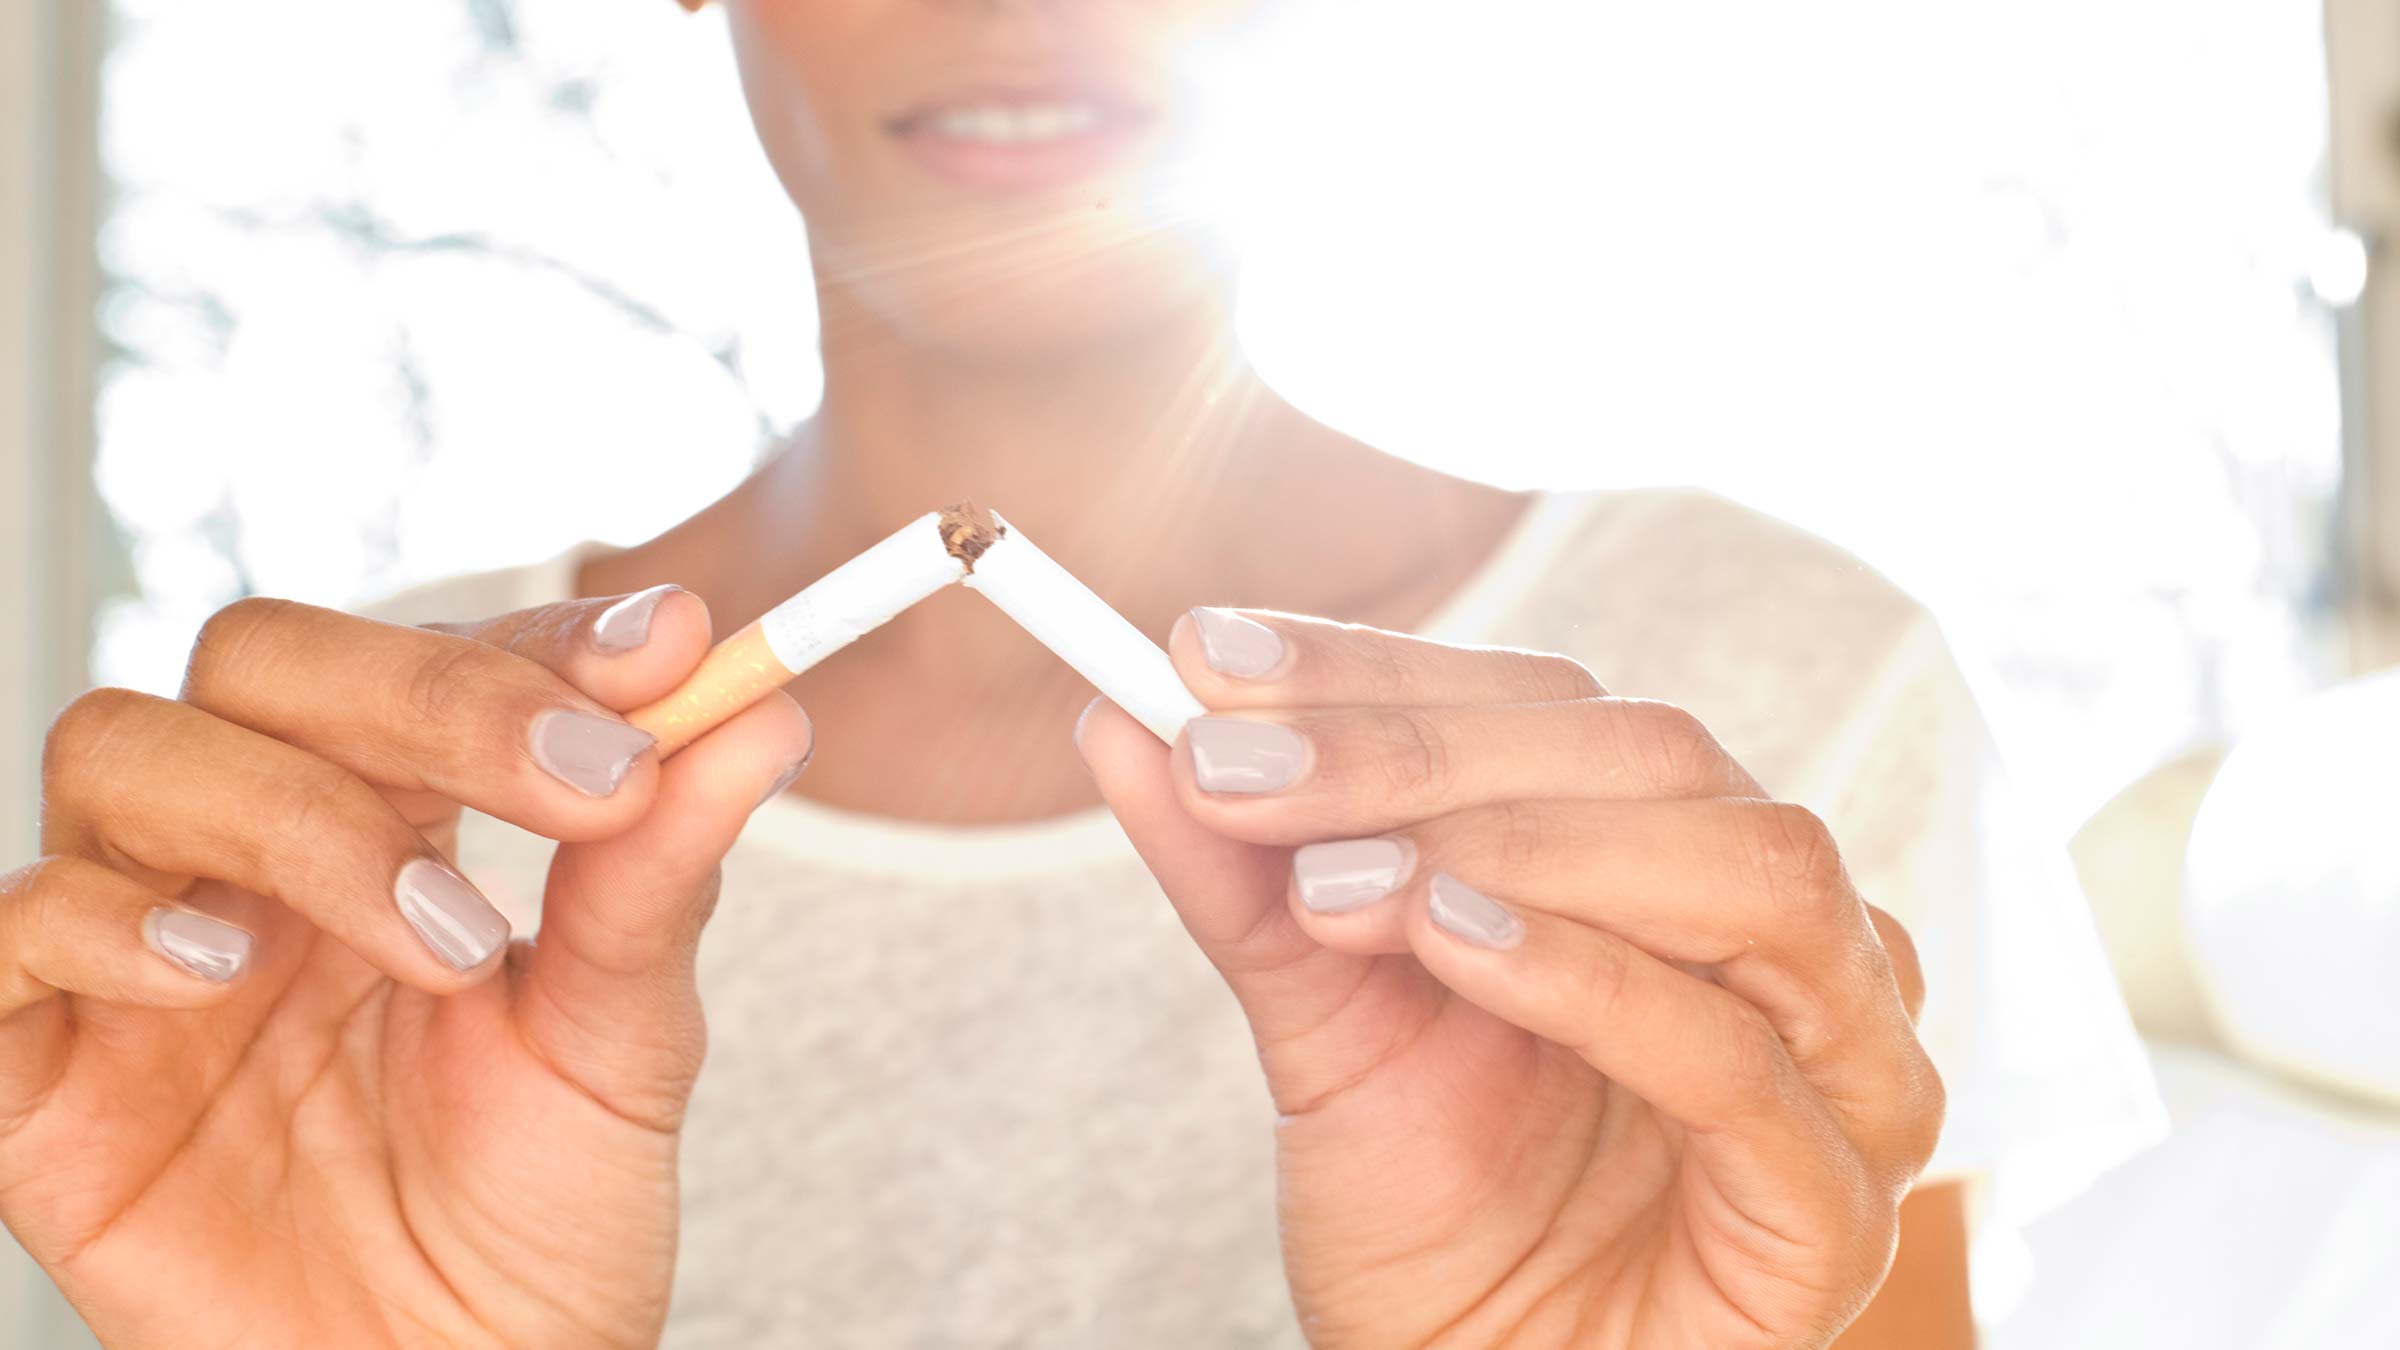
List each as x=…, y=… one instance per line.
x=2070, y=315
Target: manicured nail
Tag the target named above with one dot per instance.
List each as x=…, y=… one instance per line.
x=1083, y=718
x=587, y=753
x=784, y=780
x=1471, y=916
x=448, y=912
x=625, y=625
x=1338, y=878
x=1237, y=645
x=1233, y=754
x=209, y=948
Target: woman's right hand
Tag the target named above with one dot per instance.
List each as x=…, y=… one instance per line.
x=317, y=1097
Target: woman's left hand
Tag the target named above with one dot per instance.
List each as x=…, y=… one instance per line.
x=1577, y=1039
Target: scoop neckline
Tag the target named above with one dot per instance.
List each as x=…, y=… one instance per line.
x=865, y=843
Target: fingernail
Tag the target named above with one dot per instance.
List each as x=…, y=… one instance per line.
x=209, y=948
x=1338, y=878
x=1471, y=916
x=625, y=625
x=1233, y=754
x=448, y=912
x=784, y=780
x=1237, y=645
x=587, y=753
x=1084, y=717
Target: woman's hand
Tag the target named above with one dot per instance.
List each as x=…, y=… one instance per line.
x=318, y=1098
x=1576, y=1039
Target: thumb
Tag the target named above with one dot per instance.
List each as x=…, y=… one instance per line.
x=1317, y=1014
x=608, y=994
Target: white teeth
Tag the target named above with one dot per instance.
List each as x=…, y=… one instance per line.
x=1013, y=124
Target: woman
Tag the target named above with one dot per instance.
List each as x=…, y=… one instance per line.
x=1570, y=1035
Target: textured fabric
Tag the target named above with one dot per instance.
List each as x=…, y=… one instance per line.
x=1022, y=1110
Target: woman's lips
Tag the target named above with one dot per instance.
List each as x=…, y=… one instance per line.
x=1020, y=142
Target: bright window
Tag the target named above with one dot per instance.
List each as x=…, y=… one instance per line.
x=408, y=289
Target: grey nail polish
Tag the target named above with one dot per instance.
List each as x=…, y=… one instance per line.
x=587, y=753
x=448, y=912
x=1471, y=916
x=209, y=948
x=1233, y=754
x=1236, y=645
x=1338, y=878
x=784, y=780
x=625, y=625
x=1083, y=718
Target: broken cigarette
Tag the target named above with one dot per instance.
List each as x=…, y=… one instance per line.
x=1062, y=614
x=935, y=550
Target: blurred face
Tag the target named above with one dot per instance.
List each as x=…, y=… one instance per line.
x=994, y=177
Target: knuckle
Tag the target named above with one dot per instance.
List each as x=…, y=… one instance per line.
x=1753, y=1063
x=31, y=889
x=1928, y=1137
x=535, y=633
x=1519, y=834
x=1553, y=678
x=1414, y=759
x=1928, y=1106
x=85, y=726
x=1577, y=679
x=33, y=902
x=1673, y=749
x=226, y=637
x=454, y=679
x=43, y=909
x=306, y=800
x=1799, y=867
x=1387, y=667
x=1898, y=1120
x=1900, y=948
x=23, y=892
x=1605, y=971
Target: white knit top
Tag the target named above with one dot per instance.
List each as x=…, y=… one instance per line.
x=975, y=1086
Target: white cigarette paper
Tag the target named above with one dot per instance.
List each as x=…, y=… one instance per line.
x=861, y=595
x=1062, y=614
x=934, y=550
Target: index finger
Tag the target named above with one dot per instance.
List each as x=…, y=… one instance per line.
x=622, y=650
x=1302, y=776
x=1236, y=658
x=420, y=711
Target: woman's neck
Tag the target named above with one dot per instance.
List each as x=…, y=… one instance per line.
x=1145, y=415
x=1156, y=466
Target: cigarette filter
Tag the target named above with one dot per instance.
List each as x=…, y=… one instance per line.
x=844, y=605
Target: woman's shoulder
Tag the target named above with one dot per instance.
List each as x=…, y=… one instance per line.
x=1781, y=640
x=1690, y=568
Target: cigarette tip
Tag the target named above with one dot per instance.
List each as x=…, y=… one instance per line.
x=968, y=531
